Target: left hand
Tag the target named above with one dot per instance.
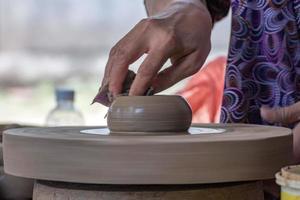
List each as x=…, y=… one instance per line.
x=286, y=115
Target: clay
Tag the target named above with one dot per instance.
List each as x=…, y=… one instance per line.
x=61, y=191
x=241, y=153
x=105, y=97
x=149, y=114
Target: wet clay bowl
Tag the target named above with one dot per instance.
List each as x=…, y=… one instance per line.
x=149, y=114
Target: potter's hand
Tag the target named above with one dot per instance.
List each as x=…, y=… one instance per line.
x=286, y=115
x=180, y=31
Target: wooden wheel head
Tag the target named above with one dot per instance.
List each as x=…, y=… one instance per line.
x=242, y=153
x=156, y=113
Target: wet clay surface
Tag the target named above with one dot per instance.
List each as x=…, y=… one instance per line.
x=149, y=114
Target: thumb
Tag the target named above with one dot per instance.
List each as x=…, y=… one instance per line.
x=286, y=115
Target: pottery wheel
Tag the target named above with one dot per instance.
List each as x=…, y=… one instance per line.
x=240, y=153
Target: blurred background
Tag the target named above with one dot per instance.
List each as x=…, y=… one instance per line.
x=49, y=43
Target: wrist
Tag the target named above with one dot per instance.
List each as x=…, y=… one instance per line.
x=154, y=7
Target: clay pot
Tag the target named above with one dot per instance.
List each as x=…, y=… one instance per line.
x=156, y=113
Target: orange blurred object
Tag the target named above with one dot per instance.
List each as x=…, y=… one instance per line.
x=204, y=91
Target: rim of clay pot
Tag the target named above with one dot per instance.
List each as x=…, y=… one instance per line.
x=151, y=96
x=156, y=96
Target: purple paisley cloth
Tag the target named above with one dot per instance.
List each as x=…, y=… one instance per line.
x=264, y=59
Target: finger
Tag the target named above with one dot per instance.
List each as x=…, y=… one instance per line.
x=131, y=47
x=180, y=70
x=119, y=60
x=286, y=115
x=147, y=71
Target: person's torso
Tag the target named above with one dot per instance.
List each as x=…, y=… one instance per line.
x=264, y=59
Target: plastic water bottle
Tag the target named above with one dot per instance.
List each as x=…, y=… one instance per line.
x=65, y=113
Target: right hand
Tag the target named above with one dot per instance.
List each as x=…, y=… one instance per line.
x=180, y=32
x=289, y=115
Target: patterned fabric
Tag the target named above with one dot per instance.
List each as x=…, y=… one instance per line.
x=264, y=59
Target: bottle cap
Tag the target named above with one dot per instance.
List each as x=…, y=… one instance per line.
x=63, y=94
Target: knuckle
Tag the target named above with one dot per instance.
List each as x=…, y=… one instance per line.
x=144, y=21
x=171, y=39
x=149, y=21
x=113, y=50
x=115, y=85
x=112, y=87
x=117, y=51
